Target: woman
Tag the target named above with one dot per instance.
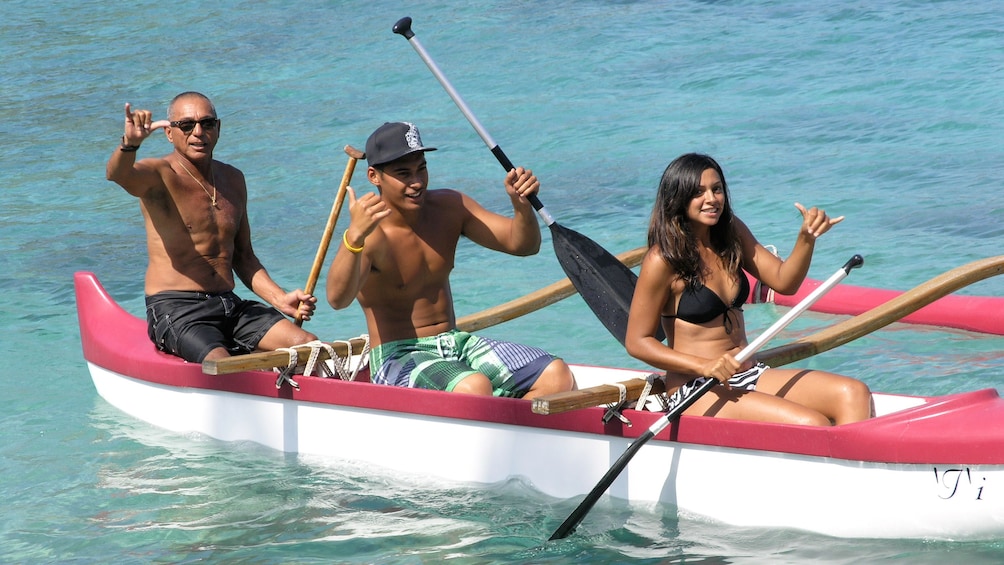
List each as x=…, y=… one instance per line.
x=692, y=282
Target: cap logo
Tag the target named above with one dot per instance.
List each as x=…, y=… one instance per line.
x=411, y=136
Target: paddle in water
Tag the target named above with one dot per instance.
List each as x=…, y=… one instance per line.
x=575, y=518
x=605, y=283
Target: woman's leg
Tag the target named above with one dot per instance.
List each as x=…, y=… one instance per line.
x=841, y=399
x=756, y=406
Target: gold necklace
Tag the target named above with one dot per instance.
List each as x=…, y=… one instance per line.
x=212, y=196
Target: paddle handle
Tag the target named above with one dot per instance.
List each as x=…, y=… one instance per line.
x=575, y=518
x=403, y=28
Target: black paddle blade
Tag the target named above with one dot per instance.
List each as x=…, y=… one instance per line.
x=567, y=527
x=605, y=283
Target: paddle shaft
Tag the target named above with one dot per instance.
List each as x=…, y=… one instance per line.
x=403, y=28
x=575, y=518
x=336, y=208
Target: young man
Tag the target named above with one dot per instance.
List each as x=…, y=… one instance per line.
x=396, y=257
x=197, y=232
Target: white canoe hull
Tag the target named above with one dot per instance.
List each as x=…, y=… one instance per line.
x=742, y=487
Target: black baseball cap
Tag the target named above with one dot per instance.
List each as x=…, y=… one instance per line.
x=393, y=140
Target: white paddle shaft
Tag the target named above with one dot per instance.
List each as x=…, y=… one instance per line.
x=797, y=310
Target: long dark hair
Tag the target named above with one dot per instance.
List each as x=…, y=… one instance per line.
x=670, y=228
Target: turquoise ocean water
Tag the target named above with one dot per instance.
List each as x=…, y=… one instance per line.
x=888, y=112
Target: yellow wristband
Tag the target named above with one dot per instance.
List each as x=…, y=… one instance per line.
x=345, y=240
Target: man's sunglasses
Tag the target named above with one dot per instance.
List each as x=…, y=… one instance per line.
x=188, y=126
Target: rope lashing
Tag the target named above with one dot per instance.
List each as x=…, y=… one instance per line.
x=343, y=366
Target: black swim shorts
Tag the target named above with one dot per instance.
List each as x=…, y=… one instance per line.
x=191, y=324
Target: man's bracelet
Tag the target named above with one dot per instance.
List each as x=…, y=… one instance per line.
x=345, y=240
x=126, y=148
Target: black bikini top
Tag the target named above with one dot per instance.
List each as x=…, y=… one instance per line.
x=701, y=305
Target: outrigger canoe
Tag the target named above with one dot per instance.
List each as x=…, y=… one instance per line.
x=925, y=467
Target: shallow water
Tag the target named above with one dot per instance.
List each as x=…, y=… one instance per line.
x=886, y=112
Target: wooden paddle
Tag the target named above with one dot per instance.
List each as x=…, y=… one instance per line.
x=605, y=283
x=827, y=339
x=336, y=208
x=575, y=518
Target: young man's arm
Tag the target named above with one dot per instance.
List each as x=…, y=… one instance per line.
x=519, y=235
x=352, y=261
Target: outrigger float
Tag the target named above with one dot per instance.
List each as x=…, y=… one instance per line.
x=925, y=467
